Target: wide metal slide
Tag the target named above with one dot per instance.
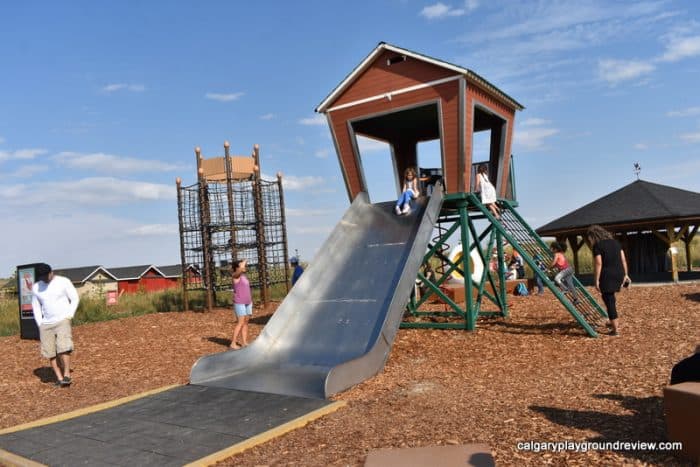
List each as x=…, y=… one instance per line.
x=336, y=326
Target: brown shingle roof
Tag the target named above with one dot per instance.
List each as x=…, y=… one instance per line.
x=639, y=202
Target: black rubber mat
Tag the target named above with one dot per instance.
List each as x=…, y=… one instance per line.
x=173, y=427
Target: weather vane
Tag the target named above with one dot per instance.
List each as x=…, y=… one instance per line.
x=637, y=169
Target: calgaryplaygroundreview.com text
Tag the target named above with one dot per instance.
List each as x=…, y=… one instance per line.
x=584, y=446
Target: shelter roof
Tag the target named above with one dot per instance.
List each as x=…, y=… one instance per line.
x=84, y=273
x=639, y=203
x=383, y=46
x=132, y=272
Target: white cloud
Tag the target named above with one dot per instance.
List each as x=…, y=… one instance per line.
x=308, y=229
x=110, y=88
x=528, y=20
x=689, y=112
x=679, y=48
x=315, y=120
x=615, y=71
x=83, y=238
x=534, y=122
x=300, y=141
x=152, y=230
x=641, y=146
x=440, y=10
x=691, y=137
x=688, y=170
x=234, y=96
x=93, y=191
x=294, y=183
x=268, y=116
x=322, y=153
x=295, y=212
x=370, y=145
x=28, y=171
x=532, y=44
x=532, y=138
x=21, y=154
x=108, y=163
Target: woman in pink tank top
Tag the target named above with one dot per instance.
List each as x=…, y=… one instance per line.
x=242, y=303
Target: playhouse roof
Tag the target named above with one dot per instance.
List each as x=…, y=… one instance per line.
x=382, y=46
x=639, y=204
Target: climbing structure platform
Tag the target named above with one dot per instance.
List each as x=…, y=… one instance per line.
x=232, y=213
x=479, y=234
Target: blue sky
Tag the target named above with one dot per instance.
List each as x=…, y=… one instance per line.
x=102, y=104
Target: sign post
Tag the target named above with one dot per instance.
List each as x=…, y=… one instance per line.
x=25, y=280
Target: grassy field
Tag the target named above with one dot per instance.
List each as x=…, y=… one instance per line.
x=93, y=308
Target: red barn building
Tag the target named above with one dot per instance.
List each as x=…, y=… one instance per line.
x=144, y=278
x=173, y=273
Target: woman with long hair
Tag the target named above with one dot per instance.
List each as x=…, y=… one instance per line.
x=610, y=270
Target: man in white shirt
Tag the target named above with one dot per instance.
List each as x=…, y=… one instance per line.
x=54, y=301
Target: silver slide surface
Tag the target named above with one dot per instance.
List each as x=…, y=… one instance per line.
x=336, y=326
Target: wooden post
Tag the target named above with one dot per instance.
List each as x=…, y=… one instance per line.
x=205, y=228
x=688, y=238
x=260, y=227
x=575, y=247
x=466, y=267
x=672, y=237
x=183, y=259
x=229, y=198
x=284, y=230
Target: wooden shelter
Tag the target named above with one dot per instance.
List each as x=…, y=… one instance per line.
x=647, y=218
x=403, y=98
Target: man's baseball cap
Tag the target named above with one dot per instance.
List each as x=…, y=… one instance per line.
x=42, y=271
x=293, y=260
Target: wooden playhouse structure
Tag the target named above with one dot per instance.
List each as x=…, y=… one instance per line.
x=403, y=98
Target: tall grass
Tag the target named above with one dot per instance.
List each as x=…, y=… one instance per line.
x=9, y=316
x=94, y=308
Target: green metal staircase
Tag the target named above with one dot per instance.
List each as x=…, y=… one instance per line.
x=582, y=306
x=461, y=211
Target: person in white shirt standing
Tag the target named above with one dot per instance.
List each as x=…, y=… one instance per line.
x=54, y=301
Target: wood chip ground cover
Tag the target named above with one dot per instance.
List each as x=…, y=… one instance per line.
x=532, y=377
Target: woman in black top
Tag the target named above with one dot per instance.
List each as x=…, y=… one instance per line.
x=610, y=269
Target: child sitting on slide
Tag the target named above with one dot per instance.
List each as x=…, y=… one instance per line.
x=409, y=192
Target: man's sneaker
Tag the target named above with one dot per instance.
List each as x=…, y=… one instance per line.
x=66, y=381
x=406, y=209
x=397, y=210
